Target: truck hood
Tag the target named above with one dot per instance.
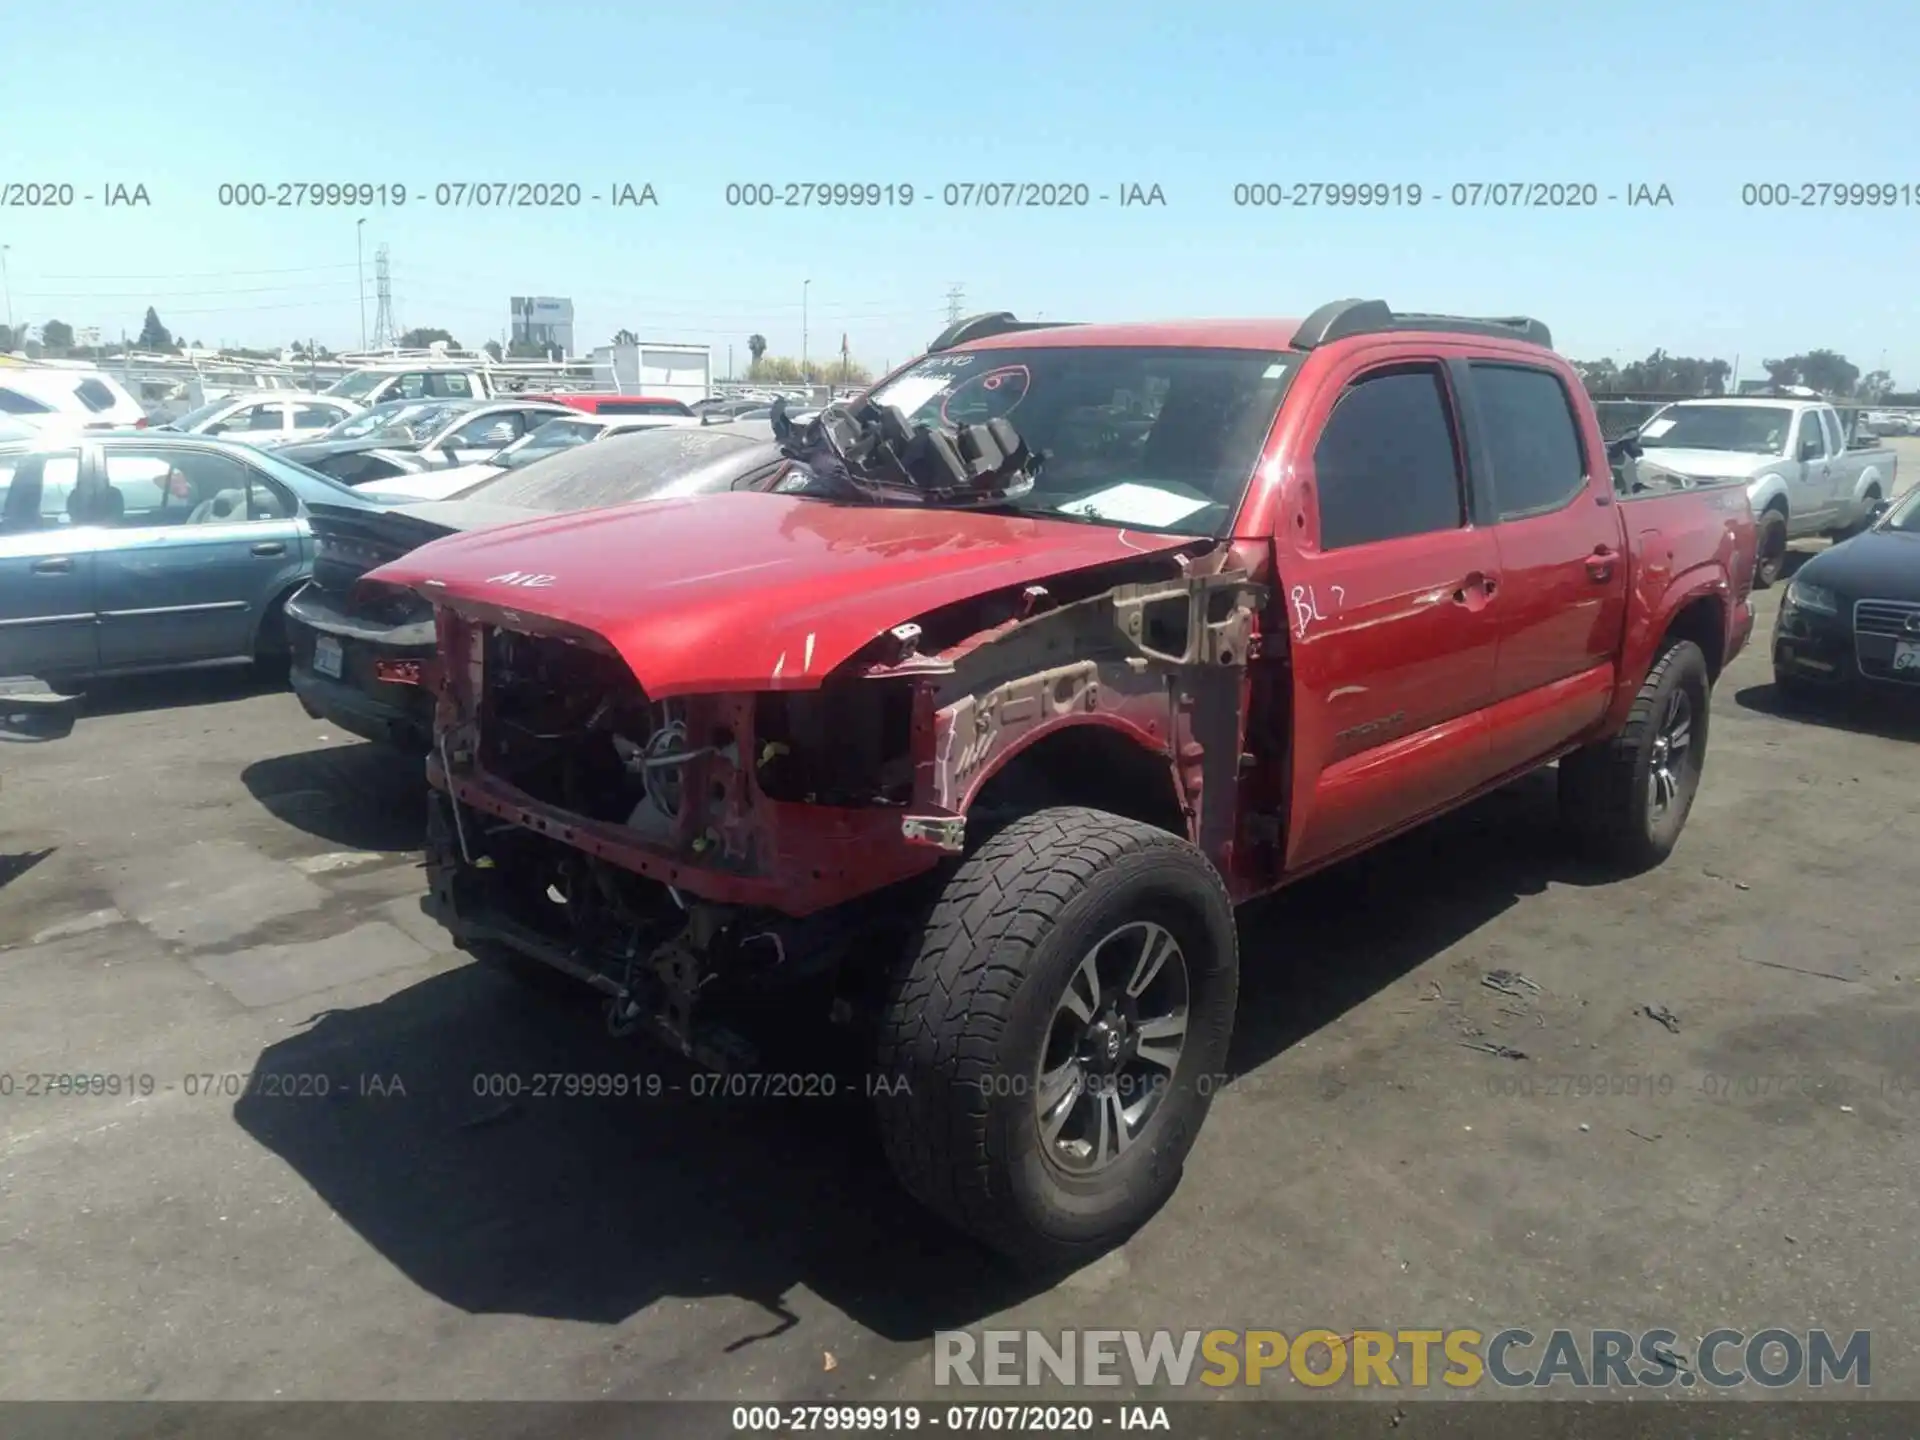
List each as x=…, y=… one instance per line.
x=1709, y=464
x=748, y=590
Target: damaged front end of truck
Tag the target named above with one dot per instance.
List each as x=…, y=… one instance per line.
x=708, y=791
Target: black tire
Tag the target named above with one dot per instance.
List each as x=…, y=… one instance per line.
x=1770, y=554
x=1606, y=790
x=272, y=647
x=973, y=1004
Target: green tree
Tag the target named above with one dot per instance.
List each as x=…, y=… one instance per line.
x=492, y=347
x=1875, y=385
x=421, y=337
x=626, y=337
x=154, y=335
x=57, y=336
x=756, y=347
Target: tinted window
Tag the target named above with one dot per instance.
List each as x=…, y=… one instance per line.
x=643, y=407
x=270, y=416
x=409, y=387
x=1531, y=439
x=1386, y=464
x=12, y=402
x=95, y=396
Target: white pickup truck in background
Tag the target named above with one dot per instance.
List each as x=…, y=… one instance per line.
x=1803, y=477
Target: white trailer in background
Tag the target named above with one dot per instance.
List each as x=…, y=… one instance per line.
x=676, y=372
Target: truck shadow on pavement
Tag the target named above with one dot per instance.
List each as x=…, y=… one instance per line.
x=357, y=797
x=176, y=689
x=594, y=1209
x=1886, y=717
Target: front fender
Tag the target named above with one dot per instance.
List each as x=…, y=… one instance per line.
x=1763, y=491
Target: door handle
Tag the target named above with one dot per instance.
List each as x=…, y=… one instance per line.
x=1600, y=563
x=270, y=547
x=58, y=565
x=1475, y=591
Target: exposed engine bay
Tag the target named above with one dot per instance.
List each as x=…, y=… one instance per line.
x=729, y=848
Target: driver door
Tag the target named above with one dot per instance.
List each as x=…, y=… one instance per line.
x=1810, y=495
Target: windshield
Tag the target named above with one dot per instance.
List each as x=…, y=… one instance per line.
x=368, y=422
x=545, y=440
x=642, y=466
x=1904, y=517
x=1745, y=429
x=356, y=383
x=196, y=417
x=1144, y=437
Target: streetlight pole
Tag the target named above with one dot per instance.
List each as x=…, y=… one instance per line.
x=805, y=373
x=360, y=264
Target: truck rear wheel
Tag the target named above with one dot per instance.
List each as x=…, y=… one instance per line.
x=1628, y=798
x=1053, y=1037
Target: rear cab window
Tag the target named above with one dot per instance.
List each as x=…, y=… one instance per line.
x=1532, y=437
x=95, y=396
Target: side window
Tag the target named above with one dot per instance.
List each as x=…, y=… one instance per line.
x=450, y=387
x=94, y=395
x=1386, y=464
x=408, y=387
x=1836, y=431
x=485, y=430
x=269, y=415
x=1813, y=440
x=316, y=417
x=12, y=402
x=267, y=501
x=153, y=487
x=1532, y=441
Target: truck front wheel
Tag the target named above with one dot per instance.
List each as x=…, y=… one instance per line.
x=1055, y=1033
x=1628, y=798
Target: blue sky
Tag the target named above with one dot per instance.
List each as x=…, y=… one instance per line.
x=1194, y=97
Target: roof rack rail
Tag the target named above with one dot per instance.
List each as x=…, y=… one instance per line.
x=978, y=327
x=1340, y=319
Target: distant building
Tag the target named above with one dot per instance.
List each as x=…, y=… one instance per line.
x=542, y=320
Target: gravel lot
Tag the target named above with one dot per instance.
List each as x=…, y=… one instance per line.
x=203, y=883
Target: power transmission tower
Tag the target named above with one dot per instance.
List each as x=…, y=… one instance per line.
x=384, y=333
x=956, y=301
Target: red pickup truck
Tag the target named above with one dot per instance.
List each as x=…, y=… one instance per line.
x=984, y=783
